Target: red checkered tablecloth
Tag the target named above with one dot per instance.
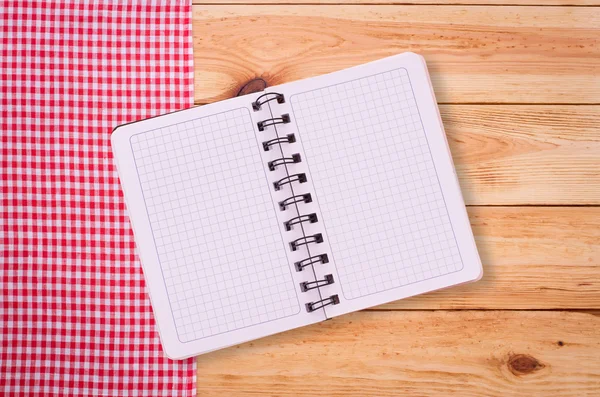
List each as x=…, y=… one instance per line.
x=75, y=318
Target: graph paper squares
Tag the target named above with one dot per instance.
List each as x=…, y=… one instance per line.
x=212, y=218
x=376, y=184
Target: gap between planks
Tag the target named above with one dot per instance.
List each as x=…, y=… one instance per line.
x=475, y=3
x=533, y=258
x=458, y=353
x=525, y=155
x=490, y=54
x=592, y=311
x=482, y=103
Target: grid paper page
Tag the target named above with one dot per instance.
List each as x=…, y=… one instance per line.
x=376, y=184
x=211, y=214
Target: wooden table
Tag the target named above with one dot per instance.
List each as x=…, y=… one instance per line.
x=518, y=82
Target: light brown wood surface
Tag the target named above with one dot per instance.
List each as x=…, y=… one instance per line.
x=533, y=258
x=476, y=54
x=579, y=3
x=518, y=82
x=459, y=353
x=525, y=154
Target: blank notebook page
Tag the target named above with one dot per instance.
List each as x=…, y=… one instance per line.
x=211, y=215
x=378, y=190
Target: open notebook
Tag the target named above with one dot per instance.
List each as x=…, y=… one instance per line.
x=283, y=208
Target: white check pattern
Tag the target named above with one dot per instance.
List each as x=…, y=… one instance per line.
x=75, y=318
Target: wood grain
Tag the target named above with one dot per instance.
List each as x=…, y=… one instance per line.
x=533, y=258
x=514, y=82
x=404, y=2
x=461, y=353
x=476, y=54
x=525, y=154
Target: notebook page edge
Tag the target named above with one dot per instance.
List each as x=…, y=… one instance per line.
x=124, y=160
x=416, y=66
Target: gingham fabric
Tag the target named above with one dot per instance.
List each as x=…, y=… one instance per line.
x=75, y=317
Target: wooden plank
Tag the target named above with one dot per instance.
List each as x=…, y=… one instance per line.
x=533, y=258
x=506, y=154
x=579, y=3
x=460, y=353
x=476, y=54
x=525, y=154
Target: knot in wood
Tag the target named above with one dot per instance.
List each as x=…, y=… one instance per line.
x=523, y=364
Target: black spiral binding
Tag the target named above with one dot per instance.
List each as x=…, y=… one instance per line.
x=301, y=198
x=300, y=178
x=290, y=138
x=314, y=239
x=284, y=160
x=310, y=218
x=275, y=96
x=294, y=200
x=284, y=119
x=308, y=285
x=300, y=265
x=332, y=300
